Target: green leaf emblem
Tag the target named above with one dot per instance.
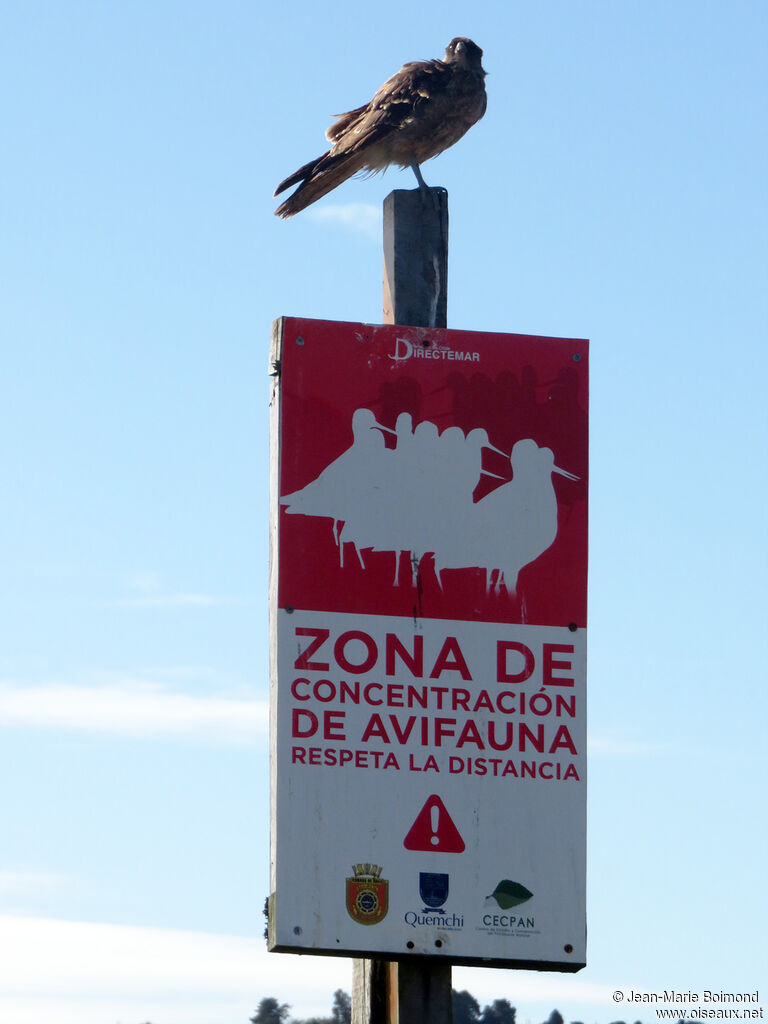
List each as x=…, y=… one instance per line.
x=509, y=894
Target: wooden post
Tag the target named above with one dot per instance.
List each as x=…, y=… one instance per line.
x=414, y=990
x=370, y=991
x=416, y=258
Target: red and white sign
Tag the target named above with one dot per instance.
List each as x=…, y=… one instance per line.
x=428, y=621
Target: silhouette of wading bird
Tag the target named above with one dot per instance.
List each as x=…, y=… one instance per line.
x=341, y=488
x=528, y=505
x=414, y=116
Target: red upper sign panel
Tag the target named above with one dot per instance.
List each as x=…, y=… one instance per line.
x=433, y=473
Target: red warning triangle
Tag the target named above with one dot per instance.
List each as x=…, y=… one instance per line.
x=434, y=830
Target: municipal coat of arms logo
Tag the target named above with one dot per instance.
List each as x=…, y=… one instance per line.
x=433, y=889
x=367, y=894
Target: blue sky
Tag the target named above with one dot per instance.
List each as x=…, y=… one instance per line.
x=615, y=190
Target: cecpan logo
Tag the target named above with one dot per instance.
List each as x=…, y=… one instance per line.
x=505, y=896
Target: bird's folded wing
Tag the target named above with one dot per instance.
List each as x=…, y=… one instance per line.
x=395, y=104
x=343, y=121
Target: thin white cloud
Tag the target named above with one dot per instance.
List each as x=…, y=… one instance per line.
x=83, y=973
x=133, y=708
x=148, y=590
x=146, y=708
x=172, y=600
x=364, y=218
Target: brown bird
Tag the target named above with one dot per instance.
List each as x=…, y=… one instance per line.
x=417, y=113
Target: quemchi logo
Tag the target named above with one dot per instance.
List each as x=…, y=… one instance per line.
x=433, y=889
x=425, y=349
x=367, y=894
x=505, y=896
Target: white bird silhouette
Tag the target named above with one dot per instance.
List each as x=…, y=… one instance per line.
x=339, y=492
x=418, y=498
x=525, y=509
x=461, y=471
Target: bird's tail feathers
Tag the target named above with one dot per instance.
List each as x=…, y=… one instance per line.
x=303, y=172
x=316, y=179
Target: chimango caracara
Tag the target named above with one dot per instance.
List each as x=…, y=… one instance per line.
x=417, y=113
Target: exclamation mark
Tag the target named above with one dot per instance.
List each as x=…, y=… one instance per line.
x=434, y=814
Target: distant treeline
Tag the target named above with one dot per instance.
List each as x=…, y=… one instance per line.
x=466, y=1010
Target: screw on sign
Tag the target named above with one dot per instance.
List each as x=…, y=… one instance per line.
x=434, y=830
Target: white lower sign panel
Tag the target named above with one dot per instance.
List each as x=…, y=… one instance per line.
x=432, y=790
